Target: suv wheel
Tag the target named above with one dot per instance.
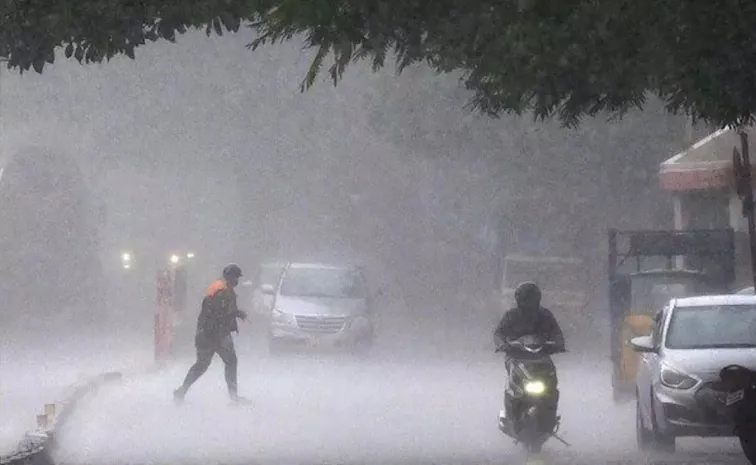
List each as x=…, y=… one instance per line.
x=665, y=443
x=643, y=437
x=662, y=442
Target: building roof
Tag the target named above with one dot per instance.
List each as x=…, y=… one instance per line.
x=707, y=164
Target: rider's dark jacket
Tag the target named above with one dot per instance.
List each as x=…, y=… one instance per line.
x=217, y=318
x=517, y=323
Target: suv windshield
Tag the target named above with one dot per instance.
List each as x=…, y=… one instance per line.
x=716, y=326
x=323, y=282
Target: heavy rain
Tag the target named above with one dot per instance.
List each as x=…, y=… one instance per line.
x=202, y=153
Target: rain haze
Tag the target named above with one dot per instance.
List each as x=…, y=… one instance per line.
x=204, y=148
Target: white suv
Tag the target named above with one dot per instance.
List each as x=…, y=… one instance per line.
x=693, y=339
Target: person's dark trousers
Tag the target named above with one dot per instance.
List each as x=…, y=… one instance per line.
x=206, y=349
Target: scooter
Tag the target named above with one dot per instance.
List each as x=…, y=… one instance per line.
x=531, y=392
x=739, y=384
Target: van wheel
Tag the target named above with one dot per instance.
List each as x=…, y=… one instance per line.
x=362, y=347
x=275, y=348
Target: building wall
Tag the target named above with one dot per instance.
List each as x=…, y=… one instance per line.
x=721, y=208
x=706, y=209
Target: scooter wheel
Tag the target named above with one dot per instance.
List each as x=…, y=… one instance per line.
x=535, y=448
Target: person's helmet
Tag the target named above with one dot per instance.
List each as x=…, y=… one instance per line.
x=232, y=271
x=528, y=295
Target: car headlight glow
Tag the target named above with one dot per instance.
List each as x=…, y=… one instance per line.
x=675, y=379
x=126, y=260
x=280, y=317
x=535, y=387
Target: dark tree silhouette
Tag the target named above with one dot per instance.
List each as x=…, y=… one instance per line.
x=571, y=58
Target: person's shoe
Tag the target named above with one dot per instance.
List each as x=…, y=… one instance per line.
x=239, y=400
x=505, y=425
x=178, y=395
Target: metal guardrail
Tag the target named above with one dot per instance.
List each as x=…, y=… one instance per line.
x=34, y=448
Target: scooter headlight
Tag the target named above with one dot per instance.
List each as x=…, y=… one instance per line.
x=535, y=388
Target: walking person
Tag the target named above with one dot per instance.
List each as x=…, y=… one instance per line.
x=216, y=322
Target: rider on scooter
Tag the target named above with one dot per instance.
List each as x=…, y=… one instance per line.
x=528, y=318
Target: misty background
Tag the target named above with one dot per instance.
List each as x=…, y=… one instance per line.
x=204, y=146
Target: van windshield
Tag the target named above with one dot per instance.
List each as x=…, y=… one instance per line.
x=323, y=282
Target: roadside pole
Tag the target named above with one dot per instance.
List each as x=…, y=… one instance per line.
x=744, y=187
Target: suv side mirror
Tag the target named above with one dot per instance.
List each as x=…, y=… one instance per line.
x=643, y=344
x=267, y=289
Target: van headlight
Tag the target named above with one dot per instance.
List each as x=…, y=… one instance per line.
x=535, y=388
x=676, y=379
x=281, y=317
x=359, y=323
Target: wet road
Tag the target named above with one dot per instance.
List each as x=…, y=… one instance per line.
x=431, y=408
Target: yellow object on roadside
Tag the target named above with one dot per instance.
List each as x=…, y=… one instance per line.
x=634, y=325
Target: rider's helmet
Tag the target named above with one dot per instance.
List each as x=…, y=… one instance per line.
x=528, y=296
x=232, y=272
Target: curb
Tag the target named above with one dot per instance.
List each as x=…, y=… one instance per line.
x=35, y=446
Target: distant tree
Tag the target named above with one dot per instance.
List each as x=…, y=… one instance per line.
x=571, y=58
x=48, y=236
x=546, y=187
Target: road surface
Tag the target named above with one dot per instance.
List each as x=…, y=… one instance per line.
x=400, y=406
x=38, y=368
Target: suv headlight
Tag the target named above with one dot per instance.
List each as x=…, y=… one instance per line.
x=280, y=317
x=676, y=379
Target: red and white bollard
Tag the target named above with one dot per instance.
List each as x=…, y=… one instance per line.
x=163, y=325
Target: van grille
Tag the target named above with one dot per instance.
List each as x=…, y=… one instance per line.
x=320, y=324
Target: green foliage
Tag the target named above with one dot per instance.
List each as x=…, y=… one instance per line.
x=569, y=58
x=93, y=31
